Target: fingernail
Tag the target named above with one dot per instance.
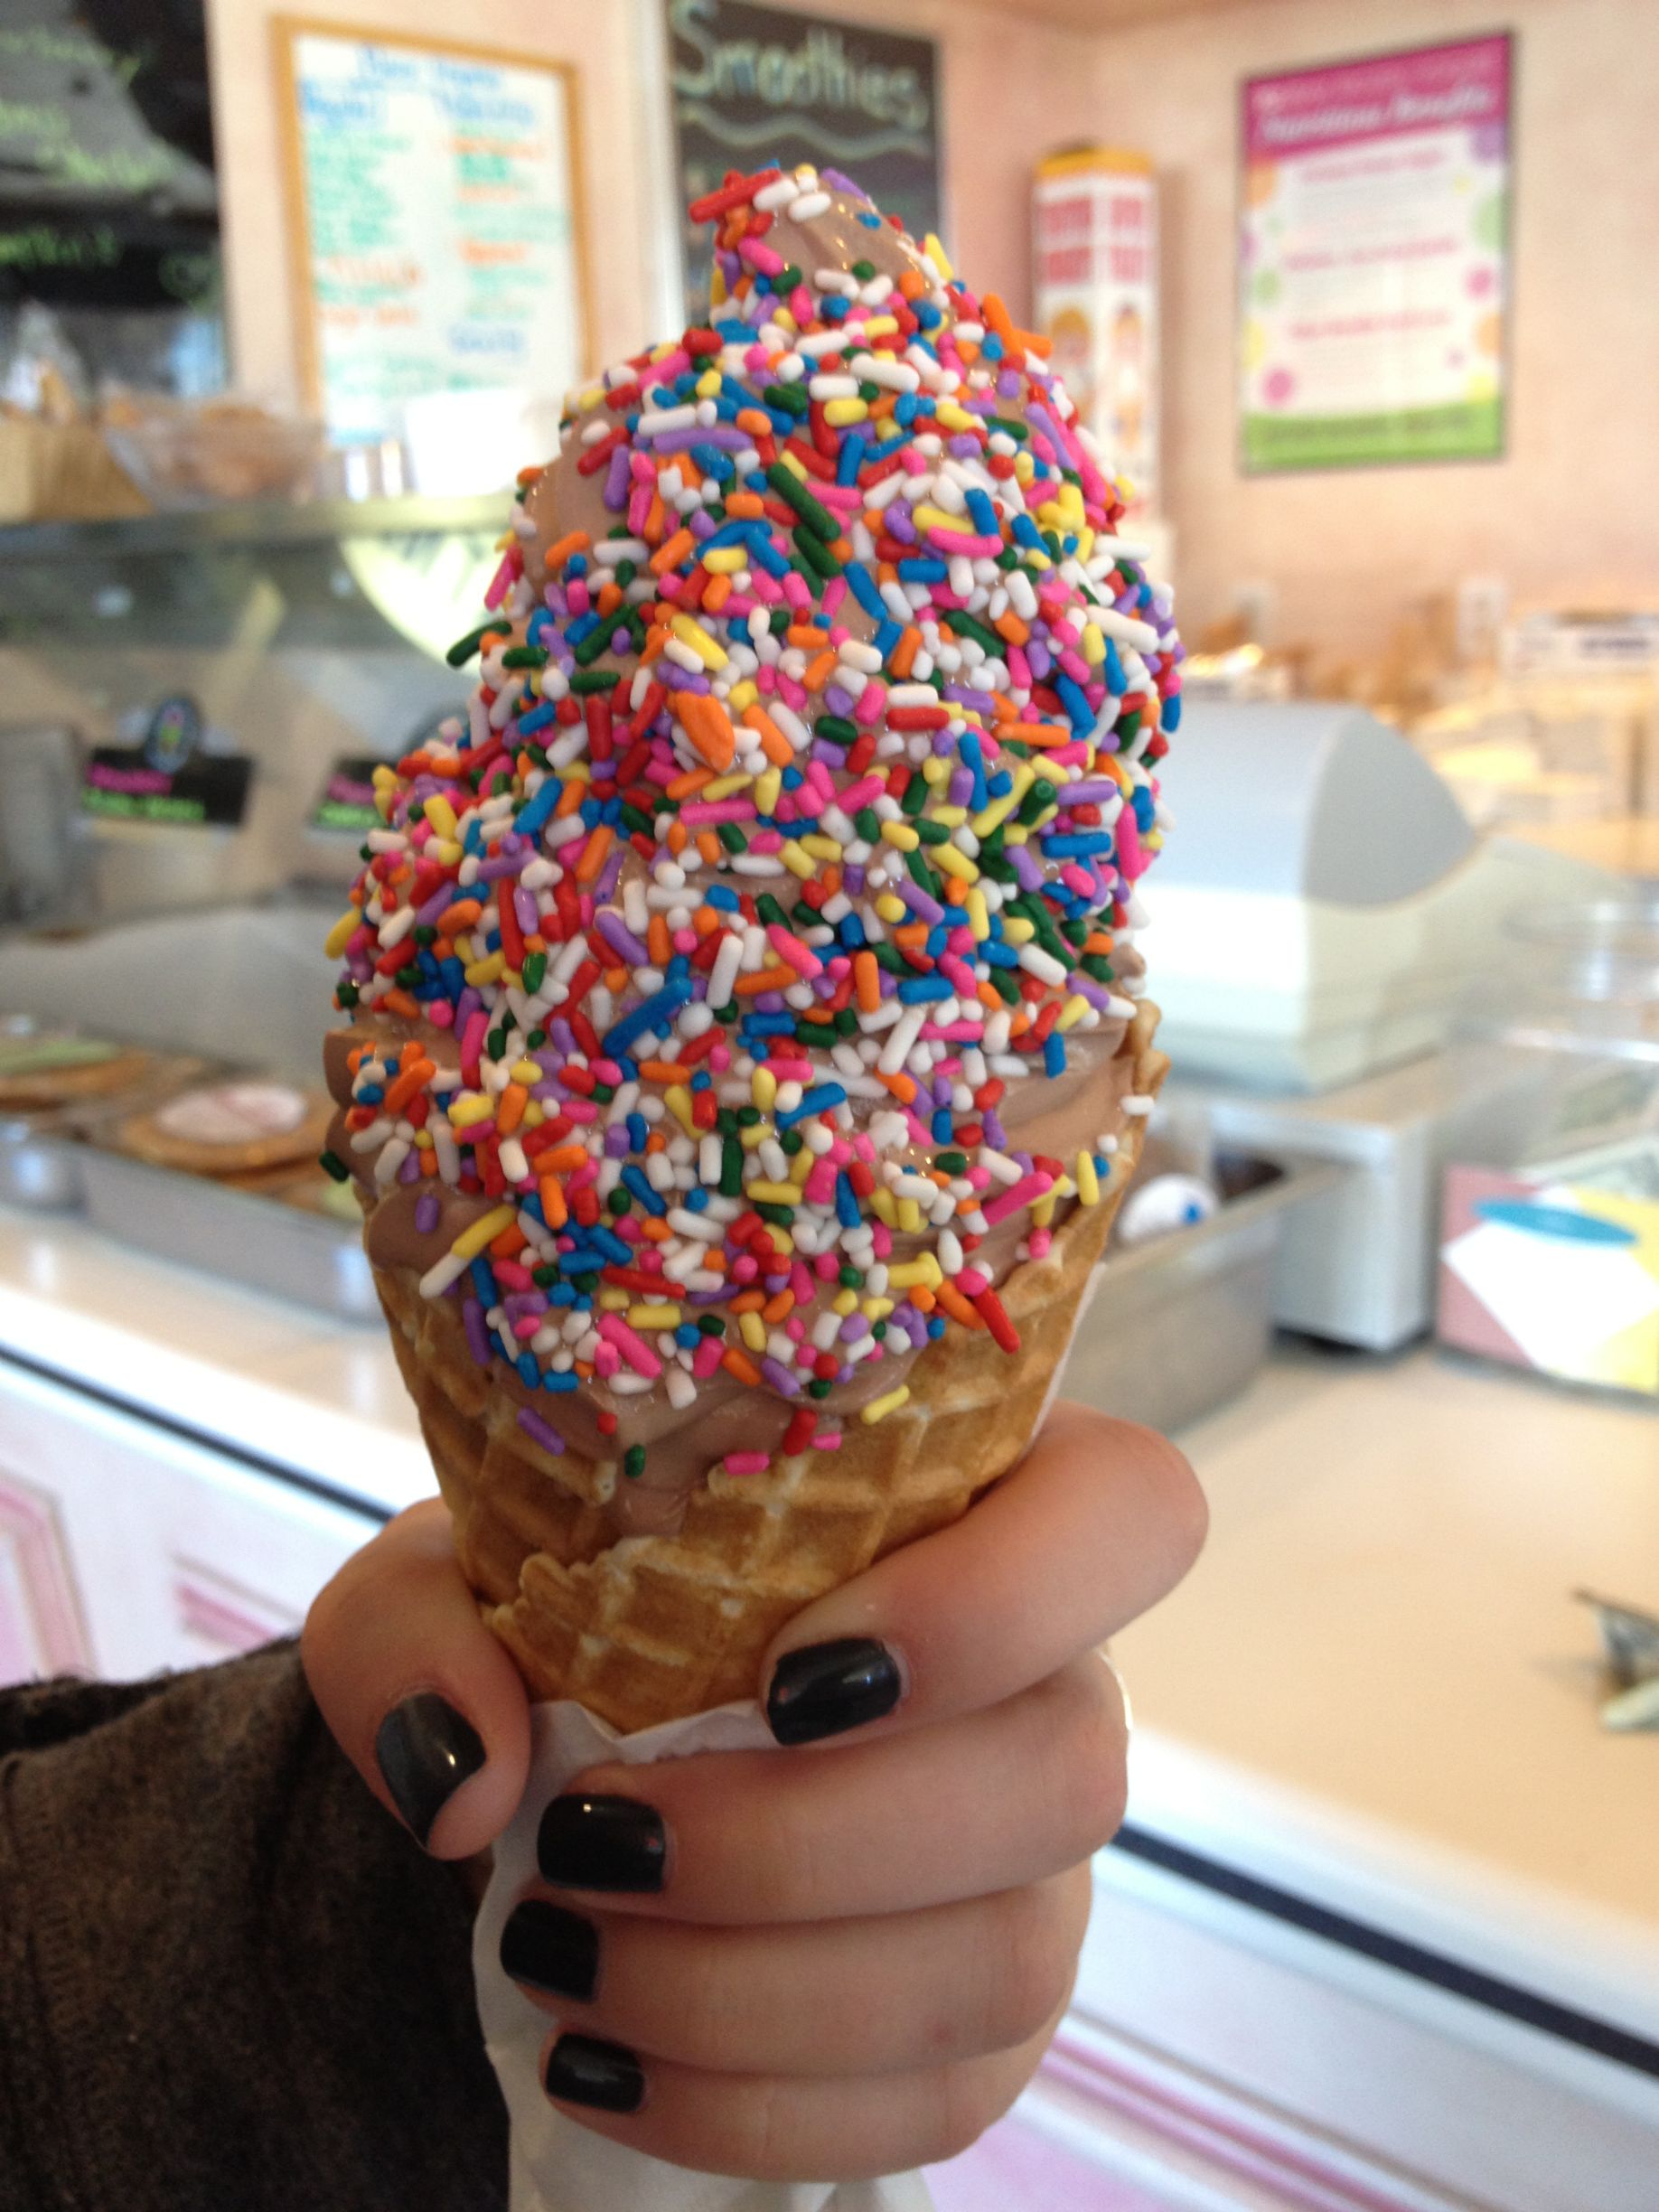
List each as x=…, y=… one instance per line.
x=586, y=2070
x=826, y=1689
x=551, y=1950
x=426, y=1751
x=602, y=1843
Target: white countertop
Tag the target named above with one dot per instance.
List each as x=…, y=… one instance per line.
x=1374, y=1689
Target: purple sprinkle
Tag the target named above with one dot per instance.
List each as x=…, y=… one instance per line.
x=477, y=1336
x=855, y=1326
x=616, y=481
x=425, y=1214
x=622, y=938
x=837, y=701
x=539, y=1432
x=780, y=1378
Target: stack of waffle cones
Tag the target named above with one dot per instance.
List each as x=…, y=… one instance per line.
x=652, y=1628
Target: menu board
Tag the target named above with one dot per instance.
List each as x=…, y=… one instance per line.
x=107, y=196
x=1373, y=271
x=753, y=85
x=435, y=209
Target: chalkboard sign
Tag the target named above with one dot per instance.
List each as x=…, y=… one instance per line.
x=752, y=85
x=107, y=197
x=435, y=205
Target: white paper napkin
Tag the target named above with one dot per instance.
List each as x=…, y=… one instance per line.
x=555, y=2165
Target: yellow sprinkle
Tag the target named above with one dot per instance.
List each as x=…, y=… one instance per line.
x=484, y=1231
x=937, y=770
x=1088, y=1180
x=724, y=787
x=797, y=861
x=753, y=1330
x=821, y=847
x=788, y=459
x=469, y=1106
x=725, y=561
x=840, y=413
x=769, y=790
x=955, y=863
x=1072, y=1011
x=883, y=1207
x=772, y=1193
x=741, y=695
x=535, y=1114
x=937, y=255
x=1093, y=645
x=890, y=909
x=341, y=935
x=954, y=417
x=678, y=1100
x=878, y=1409
x=801, y=1165
x=441, y=815
x=692, y=633
x=844, y=1302
x=909, y=1217
x=708, y=384
x=923, y=1268
x=935, y=518
x=878, y=326
x=663, y=1316
x=1018, y=930
x=979, y=916
x=877, y=1309
x=763, y=1088
x=748, y=1138
x=951, y=816
x=613, y=1300
x=525, y=1072
x=901, y=834
x=1043, y=1212
x=479, y=972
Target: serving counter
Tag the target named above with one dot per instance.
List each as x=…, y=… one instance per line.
x=1383, y=1928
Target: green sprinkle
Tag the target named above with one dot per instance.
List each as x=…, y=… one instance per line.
x=731, y=1169
x=633, y=1462
x=462, y=650
x=525, y=656
x=837, y=728
x=790, y=488
x=587, y=680
x=535, y=968
x=332, y=1164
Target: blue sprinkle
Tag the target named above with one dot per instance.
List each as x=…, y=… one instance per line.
x=984, y=513
x=610, y=1246
x=532, y=816
x=924, y=570
x=918, y=990
x=638, y=1132
x=935, y=1328
x=1172, y=713
x=1053, y=1054
x=862, y=585
x=702, y=1080
x=538, y=718
x=695, y=1200
x=814, y=1102
x=530, y=1374
x=1079, y=712
x=718, y=895
x=887, y=637
x=1078, y=848
x=483, y=1283
x=849, y=460
x=941, y=1125
x=634, y=1179
x=568, y=1381
x=1027, y=533
x=371, y=1094
x=652, y=1014
x=846, y=1203
x=998, y=953
x=1145, y=808
x=688, y=1336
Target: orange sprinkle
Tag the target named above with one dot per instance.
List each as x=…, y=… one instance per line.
x=560, y=550
x=710, y=848
x=658, y=943
x=679, y=837
x=748, y=1301
x=509, y=1243
x=778, y=1308
x=1009, y=626
x=773, y=742
x=563, y=1157
x=553, y=1204
x=757, y=424
x=738, y=1363
x=1002, y=323
x=671, y=552
x=749, y=505
x=655, y=1231
x=409, y=1082
x=616, y=979
x=570, y=799
x=718, y=592
x=765, y=979
x=610, y=598
x=904, y=652
x=867, y=981
x=664, y=1072
x=902, y=1086
x=708, y=726
x=921, y=1297
x=946, y=1296
x=509, y=1108
x=818, y=670
x=400, y=1002
x=687, y=786
x=806, y=635
x=600, y=839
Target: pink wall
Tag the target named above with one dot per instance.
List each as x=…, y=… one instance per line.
x=1569, y=514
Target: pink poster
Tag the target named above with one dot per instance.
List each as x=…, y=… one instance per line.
x=1372, y=281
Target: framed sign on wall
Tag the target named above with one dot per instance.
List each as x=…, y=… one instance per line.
x=1373, y=279
x=750, y=85
x=433, y=198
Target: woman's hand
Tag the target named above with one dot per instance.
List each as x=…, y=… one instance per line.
x=834, y=1962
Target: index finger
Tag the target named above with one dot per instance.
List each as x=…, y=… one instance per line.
x=1098, y=1522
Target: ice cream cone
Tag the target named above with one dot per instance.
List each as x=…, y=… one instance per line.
x=651, y=1628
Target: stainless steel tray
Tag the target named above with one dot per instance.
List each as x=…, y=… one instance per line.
x=240, y=1234
x=1178, y=1326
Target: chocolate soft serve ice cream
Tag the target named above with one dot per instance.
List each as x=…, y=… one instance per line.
x=747, y=1047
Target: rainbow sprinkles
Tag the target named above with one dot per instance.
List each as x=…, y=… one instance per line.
x=790, y=838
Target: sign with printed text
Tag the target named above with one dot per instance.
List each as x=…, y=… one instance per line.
x=1374, y=260
x=434, y=200
x=752, y=86
x=1095, y=290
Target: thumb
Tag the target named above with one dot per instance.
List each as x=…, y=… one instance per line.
x=416, y=1691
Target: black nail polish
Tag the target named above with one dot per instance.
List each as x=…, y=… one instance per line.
x=827, y=1688
x=551, y=1950
x=586, y=2070
x=602, y=1843
x=426, y=1751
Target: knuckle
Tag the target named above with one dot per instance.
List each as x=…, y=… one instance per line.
x=1035, y=1946
x=1083, y=1757
x=970, y=2099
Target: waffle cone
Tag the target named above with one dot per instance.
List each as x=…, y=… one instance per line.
x=650, y=1628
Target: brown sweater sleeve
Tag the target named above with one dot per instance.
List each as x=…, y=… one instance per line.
x=227, y=1978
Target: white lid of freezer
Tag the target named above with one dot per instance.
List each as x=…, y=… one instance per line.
x=1315, y=800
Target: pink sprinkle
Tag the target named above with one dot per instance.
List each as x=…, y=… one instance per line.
x=607, y=1359
x=707, y=1357
x=1024, y=1193
x=630, y=1343
x=796, y=955
x=745, y=1462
